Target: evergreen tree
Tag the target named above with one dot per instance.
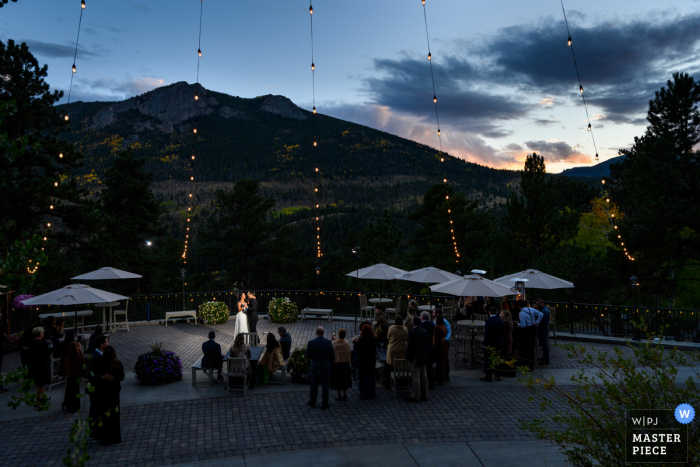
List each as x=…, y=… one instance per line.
x=36, y=185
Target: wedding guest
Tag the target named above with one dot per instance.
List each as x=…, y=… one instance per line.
x=505, y=369
x=493, y=343
x=96, y=378
x=489, y=303
x=381, y=334
x=52, y=334
x=341, y=372
x=2, y=344
x=91, y=343
x=285, y=342
x=212, y=355
x=543, y=331
x=446, y=341
x=365, y=350
x=73, y=363
x=381, y=317
x=320, y=352
x=40, y=363
x=440, y=350
x=411, y=313
x=59, y=324
x=430, y=329
x=397, y=335
x=529, y=319
x=108, y=397
x=240, y=350
x=417, y=358
x=26, y=340
x=402, y=313
x=271, y=359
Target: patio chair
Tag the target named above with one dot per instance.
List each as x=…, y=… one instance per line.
x=251, y=339
x=479, y=349
x=393, y=311
x=462, y=347
x=366, y=311
x=123, y=313
x=236, y=377
x=400, y=377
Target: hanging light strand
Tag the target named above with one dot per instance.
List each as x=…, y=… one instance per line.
x=75, y=56
x=453, y=236
x=317, y=181
x=609, y=207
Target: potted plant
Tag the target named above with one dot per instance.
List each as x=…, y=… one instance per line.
x=299, y=366
x=158, y=366
x=282, y=310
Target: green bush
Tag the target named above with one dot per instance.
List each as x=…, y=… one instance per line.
x=213, y=313
x=282, y=310
x=298, y=365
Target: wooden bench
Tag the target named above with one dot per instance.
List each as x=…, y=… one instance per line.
x=173, y=314
x=207, y=371
x=317, y=311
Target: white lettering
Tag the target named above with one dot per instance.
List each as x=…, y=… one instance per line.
x=676, y=438
x=685, y=413
x=636, y=421
x=636, y=439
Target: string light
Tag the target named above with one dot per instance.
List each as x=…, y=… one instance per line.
x=60, y=155
x=74, y=70
x=199, y=52
x=75, y=55
x=82, y=4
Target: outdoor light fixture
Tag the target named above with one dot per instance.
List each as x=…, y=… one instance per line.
x=429, y=56
x=318, y=270
x=634, y=282
x=423, y=2
x=66, y=117
x=442, y=159
x=199, y=51
x=607, y=200
x=51, y=207
x=55, y=183
x=569, y=41
x=314, y=143
x=74, y=70
x=589, y=127
x=434, y=98
x=314, y=110
x=48, y=225
x=581, y=88
x=60, y=155
x=196, y=97
x=195, y=131
x=311, y=10
x=438, y=131
x=313, y=67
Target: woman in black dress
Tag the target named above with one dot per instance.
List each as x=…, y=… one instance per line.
x=40, y=363
x=365, y=350
x=72, y=367
x=93, y=336
x=52, y=334
x=108, y=397
x=26, y=340
x=341, y=373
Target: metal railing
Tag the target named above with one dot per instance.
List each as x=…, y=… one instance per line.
x=609, y=320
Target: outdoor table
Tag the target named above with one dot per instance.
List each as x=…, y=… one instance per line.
x=70, y=314
x=426, y=307
x=380, y=300
x=110, y=317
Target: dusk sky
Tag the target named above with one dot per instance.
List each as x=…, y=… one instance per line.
x=505, y=79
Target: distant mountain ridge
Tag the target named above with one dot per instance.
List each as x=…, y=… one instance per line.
x=593, y=170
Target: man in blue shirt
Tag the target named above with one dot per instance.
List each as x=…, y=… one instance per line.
x=543, y=331
x=446, y=339
x=529, y=319
x=322, y=355
x=285, y=342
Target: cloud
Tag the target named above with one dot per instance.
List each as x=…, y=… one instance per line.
x=546, y=102
x=53, y=50
x=558, y=151
x=109, y=89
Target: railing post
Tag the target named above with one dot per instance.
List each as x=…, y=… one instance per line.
x=571, y=316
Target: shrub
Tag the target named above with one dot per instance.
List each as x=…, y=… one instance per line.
x=158, y=366
x=298, y=365
x=213, y=313
x=13, y=340
x=282, y=310
x=17, y=302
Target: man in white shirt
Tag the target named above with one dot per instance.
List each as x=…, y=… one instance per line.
x=529, y=319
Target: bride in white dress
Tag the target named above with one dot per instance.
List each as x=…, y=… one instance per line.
x=241, y=318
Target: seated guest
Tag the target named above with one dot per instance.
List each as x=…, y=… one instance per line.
x=365, y=349
x=93, y=337
x=271, y=359
x=493, y=343
x=212, y=354
x=285, y=342
x=341, y=372
x=59, y=324
x=240, y=350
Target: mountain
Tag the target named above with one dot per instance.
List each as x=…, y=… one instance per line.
x=270, y=139
x=593, y=170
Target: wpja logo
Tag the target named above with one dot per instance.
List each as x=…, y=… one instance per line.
x=654, y=436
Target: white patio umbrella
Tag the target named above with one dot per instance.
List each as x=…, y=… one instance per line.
x=472, y=286
x=536, y=280
x=429, y=275
x=106, y=274
x=74, y=294
x=381, y=271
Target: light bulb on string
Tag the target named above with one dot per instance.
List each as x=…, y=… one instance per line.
x=603, y=181
x=314, y=143
x=191, y=178
x=581, y=88
x=82, y=4
x=607, y=200
x=434, y=98
x=55, y=183
x=48, y=225
x=196, y=97
x=195, y=131
x=438, y=131
x=423, y=2
x=314, y=110
x=313, y=67
x=429, y=56
x=60, y=155
x=51, y=207
x=199, y=52
x=442, y=159
x=311, y=10
x=66, y=117
x=596, y=157
x=569, y=41
x=589, y=127
x=74, y=69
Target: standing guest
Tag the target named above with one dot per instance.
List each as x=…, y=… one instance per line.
x=417, y=358
x=52, y=334
x=212, y=355
x=96, y=378
x=320, y=352
x=2, y=343
x=240, y=350
x=381, y=317
x=40, y=363
x=507, y=319
x=70, y=338
x=110, y=431
x=285, y=342
x=529, y=319
x=365, y=350
x=73, y=364
x=341, y=372
x=468, y=306
x=271, y=359
x=543, y=331
x=402, y=314
x=430, y=329
x=59, y=325
x=252, y=312
x=411, y=313
x=446, y=341
x=478, y=305
x=93, y=337
x=397, y=336
x=493, y=342
x=381, y=333
x=26, y=340
x=440, y=349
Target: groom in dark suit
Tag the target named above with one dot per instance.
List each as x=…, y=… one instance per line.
x=252, y=312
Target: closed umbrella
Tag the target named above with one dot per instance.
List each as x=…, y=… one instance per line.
x=106, y=274
x=74, y=294
x=472, y=286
